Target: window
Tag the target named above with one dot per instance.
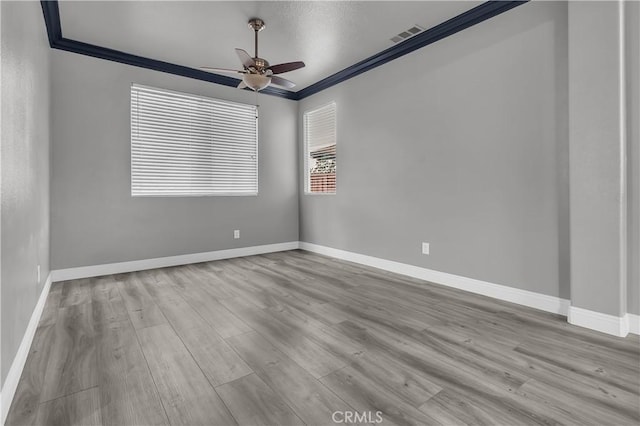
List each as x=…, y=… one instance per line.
x=320, y=150
x=187, y=145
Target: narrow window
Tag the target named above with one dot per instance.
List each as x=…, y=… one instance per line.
x=320, y=150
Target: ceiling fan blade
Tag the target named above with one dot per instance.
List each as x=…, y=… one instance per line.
x=242, y=85
x=225, y=70
x=286, y=67
x=245, y=58
x=279, y=81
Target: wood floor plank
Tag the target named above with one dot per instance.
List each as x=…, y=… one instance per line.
x=216, y=359
x=208, y=280
x=326, y=313
x=260, y=279
x=433, y=357
x=304, y=291
x=269, y=290
x=311, y=356
x=408, y=385
x=103, y=289
x=600, y=394
x=143, y=311
x=224, y=322
x=377, y=316
x=295, y=317
x=219, y=363
x=72, y=361
x=24, y=407
x=582, y=410
x=108, y=305
x=310, y=400
x=219, y=271
x=128, y=394
x=332, y=263
x=78, y=409
x=269, y=280
x=451, y=408
x=321, y=265
x=328, y=338
x=174, y=307
x=75, y=292
x=617, y=374
x=603, y=395
x=367, y=397
x=252, y=402
x=278, y=292
x=461, y=325
x=383, y=312
x=276, y=266
x=327, y=278
x=624, y=359
x=186, y=394
x=484, y=384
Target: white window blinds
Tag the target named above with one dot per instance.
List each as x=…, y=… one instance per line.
x=187, y=145
x=320, y=149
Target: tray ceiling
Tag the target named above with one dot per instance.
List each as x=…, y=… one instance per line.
x=327, y=35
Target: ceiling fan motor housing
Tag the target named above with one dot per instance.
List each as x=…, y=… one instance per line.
x=261, y=64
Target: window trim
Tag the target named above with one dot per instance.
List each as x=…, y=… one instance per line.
x=206, y=98
x=306, y=177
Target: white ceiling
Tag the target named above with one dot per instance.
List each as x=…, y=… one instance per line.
x=327, y=35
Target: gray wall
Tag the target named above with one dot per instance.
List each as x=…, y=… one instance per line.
x=94, y=219
x=633, y=138
x=462, y=144
x=596, y=143
x=25, y=168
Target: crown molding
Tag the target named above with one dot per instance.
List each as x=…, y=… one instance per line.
x=51, y=14
x=464, y=20
x=467, y=19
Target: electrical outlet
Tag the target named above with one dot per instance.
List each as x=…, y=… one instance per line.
x=425, y=248
x=236, y=234
x=38, y=274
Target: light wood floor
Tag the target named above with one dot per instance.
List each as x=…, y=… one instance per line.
x=290, y=338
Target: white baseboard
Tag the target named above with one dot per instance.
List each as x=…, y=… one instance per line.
x=634, y=323
x=163, y=262
x=605, y=323
x=13, y=377
x=543, y=302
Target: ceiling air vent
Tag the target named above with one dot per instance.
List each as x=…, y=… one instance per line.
x=416, y=29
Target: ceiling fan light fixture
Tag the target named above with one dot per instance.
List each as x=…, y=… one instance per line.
x=257, y=73
x=256, y=82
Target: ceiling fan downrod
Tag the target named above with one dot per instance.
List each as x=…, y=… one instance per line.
x=257, y=25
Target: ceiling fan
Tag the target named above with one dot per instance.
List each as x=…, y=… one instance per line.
x=257, y=73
